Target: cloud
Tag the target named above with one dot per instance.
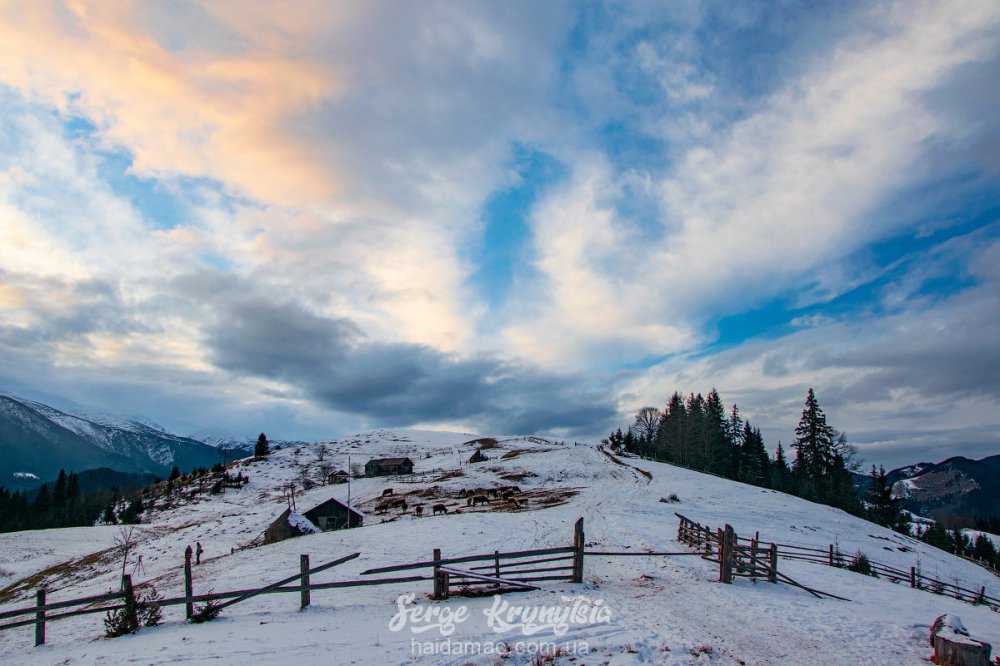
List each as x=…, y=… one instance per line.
x=762, y=207
x=920, y=381
x=333, y=363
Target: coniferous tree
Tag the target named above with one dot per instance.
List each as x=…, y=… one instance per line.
x=813, y=450
x=881, y=507
x=262, y=449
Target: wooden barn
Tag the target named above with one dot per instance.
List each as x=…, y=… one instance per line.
x=334, y=515
x=387, y=466
x=340, y=476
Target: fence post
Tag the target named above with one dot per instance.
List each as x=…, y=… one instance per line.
x=304, y=568
x=726, y=554
x=440, y=578
x=188, y=584
x=753, y=557
x=131, y=608
x=831, y=556
x=578, y=540
x=496, y=563
x=40, y=617
x=913, y=576
x=772, y=575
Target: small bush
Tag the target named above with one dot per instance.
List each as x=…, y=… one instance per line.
x=206, y=612
x=860, y=564
x=140, y=611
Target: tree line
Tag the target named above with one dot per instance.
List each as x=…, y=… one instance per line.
x=697, y=432
x=62, y=506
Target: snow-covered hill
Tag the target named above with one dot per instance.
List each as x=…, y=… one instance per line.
x=662, y=610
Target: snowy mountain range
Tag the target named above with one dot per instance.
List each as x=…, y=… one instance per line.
x=37, y=440
x=661, y=610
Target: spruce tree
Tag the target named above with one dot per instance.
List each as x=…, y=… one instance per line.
x=814, y=454
x=262, y=449
x=881, y=507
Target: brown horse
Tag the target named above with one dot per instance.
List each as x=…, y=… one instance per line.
x=386, y=492
x=439, y=508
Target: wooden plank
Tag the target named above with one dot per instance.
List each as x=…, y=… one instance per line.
x=272, y=586
x=488, y=579
x=612, y=553
x=469, y=558
x=524, y=563
x=61, y=604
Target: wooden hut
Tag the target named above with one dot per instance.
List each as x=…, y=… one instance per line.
x=387, y=466
x=334, y=515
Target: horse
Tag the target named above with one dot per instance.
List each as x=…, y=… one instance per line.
x=386, y=492
x=419, y=509
x=439, y=508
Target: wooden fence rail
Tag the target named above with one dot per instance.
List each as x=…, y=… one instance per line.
x=511, y=570
x=40, y=611
x=708, y=542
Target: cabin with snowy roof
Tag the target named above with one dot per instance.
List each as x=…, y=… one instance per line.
x=387, y=466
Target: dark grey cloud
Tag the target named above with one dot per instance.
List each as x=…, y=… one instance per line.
x=333, y=363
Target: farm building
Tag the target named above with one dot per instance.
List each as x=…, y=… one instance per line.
x=387, y=466
x=340, y=476
x=334, y=515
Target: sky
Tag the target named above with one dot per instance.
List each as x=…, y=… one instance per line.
x=316, y=218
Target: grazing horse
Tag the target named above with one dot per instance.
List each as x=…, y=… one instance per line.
x=478, y=499
x=514, y=503
x=400, y=503
x=386, y=492
x=439, y=508
x=382, y=508
x=419, y=509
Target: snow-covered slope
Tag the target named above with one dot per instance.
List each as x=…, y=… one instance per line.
x=662, y=610
x=39, y=440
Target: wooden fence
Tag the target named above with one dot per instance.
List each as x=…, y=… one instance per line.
x=751, y=558
x=511, y=571
x=737, y=557
x=833, y=557
x=505, y=571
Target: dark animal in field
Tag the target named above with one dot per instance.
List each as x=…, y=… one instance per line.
x=386, y=492
x=514, y=503
x=506, y=496
x=439, y=508
x=381, y=508
x=419, y=509
x=478, y=499
x=397, y=504
x=463, y=492
x=493, y=492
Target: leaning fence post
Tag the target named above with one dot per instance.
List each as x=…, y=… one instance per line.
x=131, y=609
x=40, y=617
x=304, y=568
x=578, y=540
x=188, y=584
